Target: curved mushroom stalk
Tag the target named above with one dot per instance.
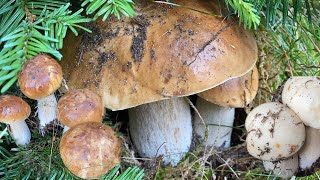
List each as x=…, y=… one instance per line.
x=47, y=110
x=219, y=120
x=13, y=112
x=310, y=151
x=162, y=128
x=284, y=168
x=20, y=132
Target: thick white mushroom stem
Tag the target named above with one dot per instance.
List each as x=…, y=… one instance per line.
x=162, y=128
x=284, y=168
x=219, y=121
x=20, y=132
x=310, y=151
x=47, y=110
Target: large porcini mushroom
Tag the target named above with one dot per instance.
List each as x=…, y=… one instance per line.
x=39, y=78
x=89, y=150
x=216, y=107
x=14, y=111
x=78, y=106
x=161, y=53
x=302, y=95
x=274, y=132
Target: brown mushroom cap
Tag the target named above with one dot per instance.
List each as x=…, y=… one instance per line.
x=161, y=53
x=90, y=150
x=78, y=106
x=40, y=76
x=13, y=109
x=237, y=92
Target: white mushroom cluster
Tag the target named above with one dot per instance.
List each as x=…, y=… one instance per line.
x=285, y=136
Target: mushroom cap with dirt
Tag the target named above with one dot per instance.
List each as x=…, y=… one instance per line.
x=302, y=95
x=162, y=52
x=275, y=132
x=39, y=78
x=216, y=106
x=89, y=150
x=78, y=106
x=14, y=111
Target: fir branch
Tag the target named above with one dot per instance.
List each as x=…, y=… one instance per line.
x=108, y=7
x=44, y=26
x=246, y=12
x=31, y=162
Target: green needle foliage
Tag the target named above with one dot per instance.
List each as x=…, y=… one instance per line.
x=251, y=11
x=41, y=160
x=31, y=28
x=247, y=13
x=107, y=7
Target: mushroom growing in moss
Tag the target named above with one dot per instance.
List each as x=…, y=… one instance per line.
x=274, y=132
x=39, y=78
x=79, y=106
x=89, y=150
x=155, y=57
x=218, y=108
x=14, y=111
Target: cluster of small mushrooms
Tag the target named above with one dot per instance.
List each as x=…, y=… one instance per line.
x=147, y=64
x=88, y=148
x=285, y=134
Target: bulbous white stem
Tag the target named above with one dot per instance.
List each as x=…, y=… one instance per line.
x=47, y=110
x=65, y=129
x=219, y=121
x=285, y=168
x=20, y=132
x=162, y=128
x=310, y=151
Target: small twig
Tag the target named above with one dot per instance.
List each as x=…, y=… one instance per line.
x=206, y=135
x=52, y=140
x=226, y=163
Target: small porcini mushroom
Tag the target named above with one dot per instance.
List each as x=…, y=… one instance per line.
x=274, y=132
x=310, y=151
x=217, y=110
x=302, y=95
x=14, y=111
x=162, y=53
x=285, y=168
x=78, y=106
x=39, y=78
x=89, y=150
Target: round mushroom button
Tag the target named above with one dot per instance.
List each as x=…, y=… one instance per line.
x=274, y=132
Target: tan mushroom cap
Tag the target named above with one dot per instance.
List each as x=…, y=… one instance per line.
x=40, y=77
x=161, y=53
x=13, y=109
x=237, y=92
x=78, y=106
x=90, y=150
